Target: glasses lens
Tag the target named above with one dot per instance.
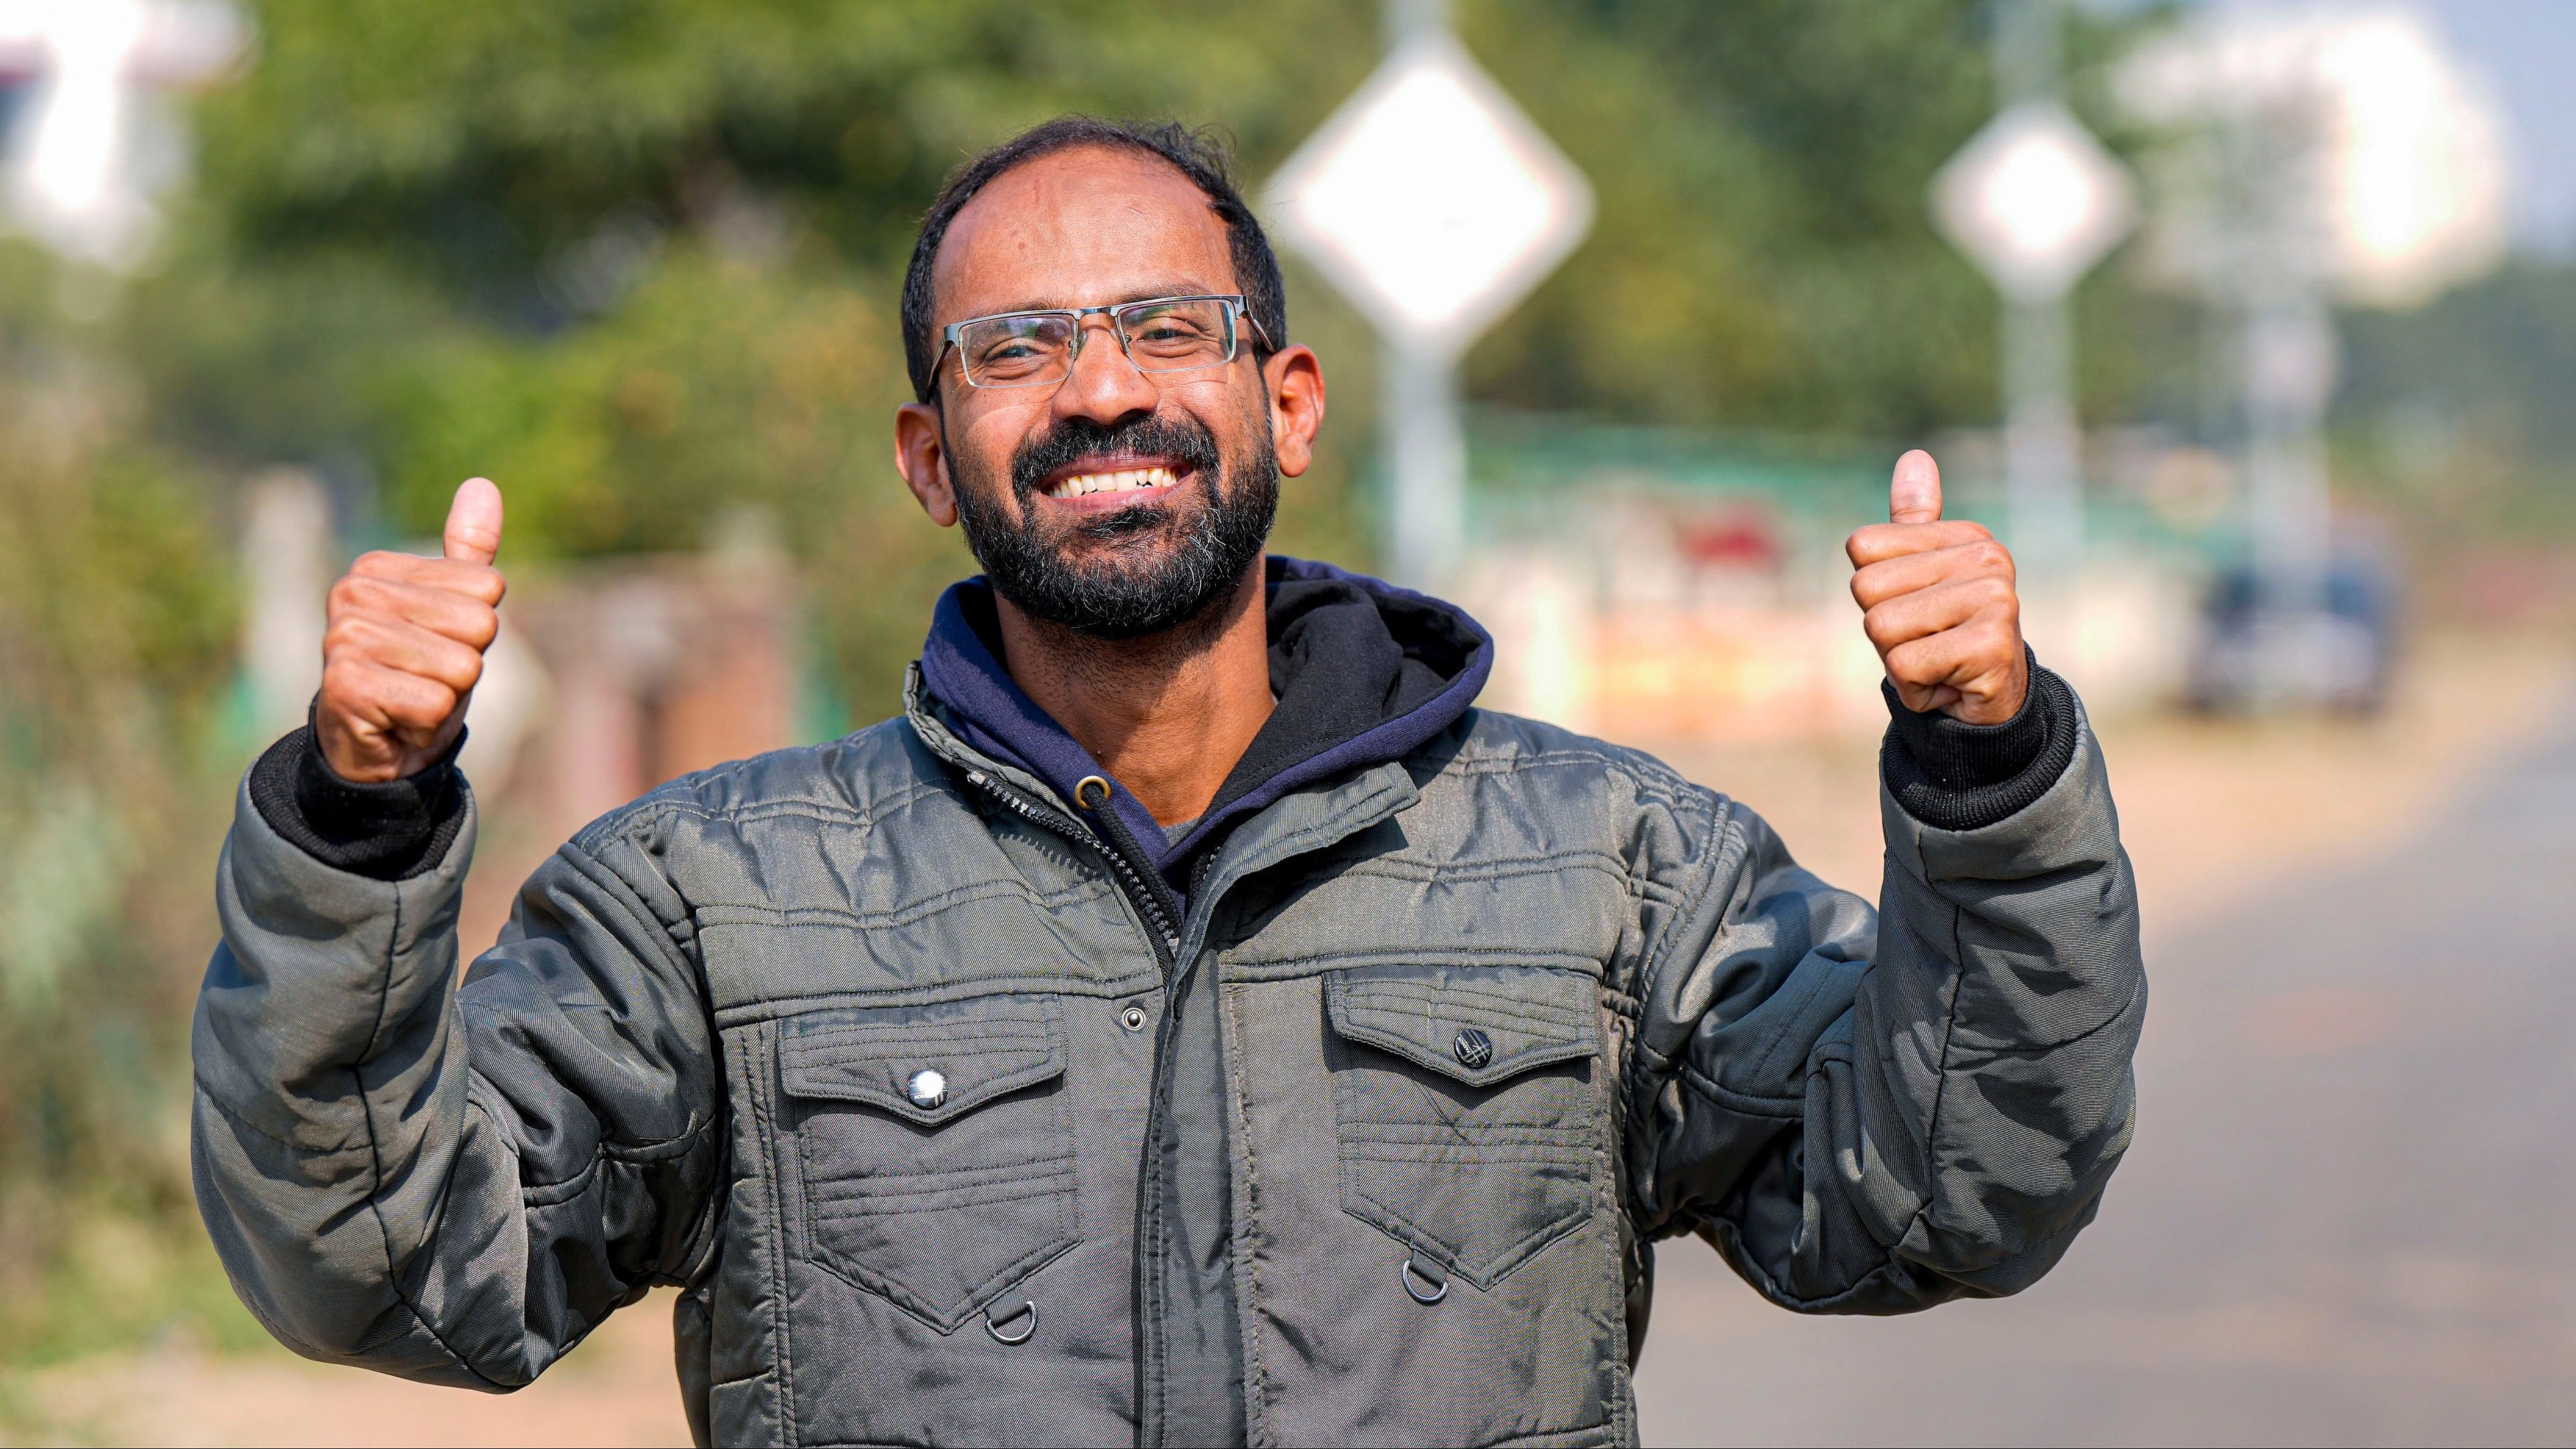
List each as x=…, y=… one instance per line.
x=1171, y=336
x=1016, y=351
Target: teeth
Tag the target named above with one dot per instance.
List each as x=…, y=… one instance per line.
x=1125, y=481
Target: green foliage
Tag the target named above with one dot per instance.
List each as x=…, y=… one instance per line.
x=115, y=625
x=2455, y=415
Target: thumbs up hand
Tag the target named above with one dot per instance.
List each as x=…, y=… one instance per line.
x=405, y=645
x=1937, y=601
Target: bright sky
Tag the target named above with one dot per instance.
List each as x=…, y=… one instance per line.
x=2527, y=51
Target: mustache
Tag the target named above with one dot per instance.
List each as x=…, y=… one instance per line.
x=1185, y=440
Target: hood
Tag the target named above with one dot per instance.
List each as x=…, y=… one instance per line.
x=1365, y=672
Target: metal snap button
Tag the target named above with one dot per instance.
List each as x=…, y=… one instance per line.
x=1472, y=1048
x=1426, y=1283
x=1133, y=1018
x=1023, y=1320
x=927, y=1088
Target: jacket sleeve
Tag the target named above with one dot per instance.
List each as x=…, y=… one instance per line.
x=1873, y=1112
x=449, y=1185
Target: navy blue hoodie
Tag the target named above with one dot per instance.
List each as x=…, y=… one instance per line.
x=1364, y=673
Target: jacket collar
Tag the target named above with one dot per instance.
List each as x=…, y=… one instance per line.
x=1365, y=673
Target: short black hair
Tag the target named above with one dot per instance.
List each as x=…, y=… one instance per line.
x=1199, y=155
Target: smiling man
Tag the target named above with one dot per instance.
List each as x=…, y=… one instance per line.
x=1193, y=1022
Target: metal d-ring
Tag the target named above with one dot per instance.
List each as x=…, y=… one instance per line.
x=1028, y=1309
x=1426, y=1283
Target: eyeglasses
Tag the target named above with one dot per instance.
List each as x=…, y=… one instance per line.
x=1038, y=349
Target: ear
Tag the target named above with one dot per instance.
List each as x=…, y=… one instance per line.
x=1295, y=379
x=921, y=453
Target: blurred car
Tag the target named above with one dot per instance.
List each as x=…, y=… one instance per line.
x=2258, y=649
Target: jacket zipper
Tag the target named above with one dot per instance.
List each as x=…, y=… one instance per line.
x=1149, y=904
x=1131, y=877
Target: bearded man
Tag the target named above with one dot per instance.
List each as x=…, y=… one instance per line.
x=1193, y=1021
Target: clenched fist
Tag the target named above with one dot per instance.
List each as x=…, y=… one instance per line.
x=1937, y=600
x=405, y=646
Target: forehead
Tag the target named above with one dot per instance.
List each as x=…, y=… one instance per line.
x=1078, y=228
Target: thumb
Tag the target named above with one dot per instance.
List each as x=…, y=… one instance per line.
x=474, y=522
x=1913, y=495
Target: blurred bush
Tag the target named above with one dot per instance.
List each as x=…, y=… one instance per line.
x=115, y=640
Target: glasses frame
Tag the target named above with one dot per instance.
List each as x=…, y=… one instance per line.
x=1238, y=313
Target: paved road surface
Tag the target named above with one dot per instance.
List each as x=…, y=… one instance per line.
x=2350, y=1215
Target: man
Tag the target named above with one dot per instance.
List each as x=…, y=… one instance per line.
x=1194, y=1022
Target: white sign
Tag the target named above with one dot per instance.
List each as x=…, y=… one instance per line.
x=1430, y=200
x=81, y=161
x=2034, y=200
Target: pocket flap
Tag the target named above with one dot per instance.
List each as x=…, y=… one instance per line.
x=1477, y=1024
x=980, y=1049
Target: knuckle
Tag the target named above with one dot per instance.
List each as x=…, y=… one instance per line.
x=348, y=636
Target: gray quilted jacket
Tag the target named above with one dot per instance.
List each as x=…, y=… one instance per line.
x=858, y=1045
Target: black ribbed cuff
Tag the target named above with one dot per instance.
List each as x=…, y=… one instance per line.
x=1957, y=776
x=392, y=830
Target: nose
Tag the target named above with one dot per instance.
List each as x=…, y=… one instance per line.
x=1104, y=385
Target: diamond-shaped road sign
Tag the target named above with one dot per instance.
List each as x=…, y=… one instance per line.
x=1430, y=200
x=2034, y=200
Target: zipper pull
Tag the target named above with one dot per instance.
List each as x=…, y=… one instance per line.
x=1173, y=944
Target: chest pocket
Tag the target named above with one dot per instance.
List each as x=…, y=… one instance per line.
x=934, y=1146
x=1466, y=1107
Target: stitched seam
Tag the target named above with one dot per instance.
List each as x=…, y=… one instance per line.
x=1247, y=1231
x=1464, y=1001
x=897, y=1204
x=234, y=1116
x=1446, y=952
x=1785, y=1107
x=1295, y=842
x=847, y=1189
x=1107, y=989
x=2099, y=1027
x=1731, y=846
x=1488, y=867
x=1940, y=1090
x=767, y=1123
x=376, y=1163
x=745, y=913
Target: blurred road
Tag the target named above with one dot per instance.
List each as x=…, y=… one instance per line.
x=2346, y=1218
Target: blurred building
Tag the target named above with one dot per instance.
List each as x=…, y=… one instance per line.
x=1679, y=587
x=651, y=668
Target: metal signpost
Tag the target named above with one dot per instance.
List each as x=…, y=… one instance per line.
x=1434, y=204
x=2035, y=202
x=2315, y=154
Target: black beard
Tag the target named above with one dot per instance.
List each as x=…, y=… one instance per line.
x=1169, y=562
